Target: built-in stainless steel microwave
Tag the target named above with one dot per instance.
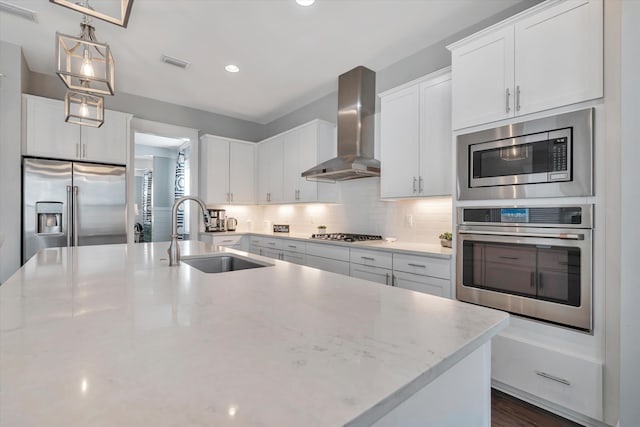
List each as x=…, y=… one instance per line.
x=549, y=157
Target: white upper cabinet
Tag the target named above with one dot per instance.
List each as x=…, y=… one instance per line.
x=482, y=74
x=270, y=170
x=546, y=57
x=299, y=149
x=415, y=136
x=227, y=170
x=107, y=143
x=46, y=134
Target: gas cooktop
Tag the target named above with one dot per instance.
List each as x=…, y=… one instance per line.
x=346, y=237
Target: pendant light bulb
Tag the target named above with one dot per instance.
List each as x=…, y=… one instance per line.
x=84, y=108
x=87, y=66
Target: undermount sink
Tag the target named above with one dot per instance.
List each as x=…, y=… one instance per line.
x=221, y=263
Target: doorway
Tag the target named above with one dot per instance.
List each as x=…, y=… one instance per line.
x=165, y=168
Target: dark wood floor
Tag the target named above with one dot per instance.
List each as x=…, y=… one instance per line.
x=507, y=411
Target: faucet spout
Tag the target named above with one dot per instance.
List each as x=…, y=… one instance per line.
x=174, y=249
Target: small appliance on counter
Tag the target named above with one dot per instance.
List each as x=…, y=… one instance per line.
x=218, y=220
x=232, y=224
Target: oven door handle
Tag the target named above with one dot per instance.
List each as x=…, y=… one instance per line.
x=565, y=236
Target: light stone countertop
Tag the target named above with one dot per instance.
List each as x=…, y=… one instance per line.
x=112, y=336
x=411, y=248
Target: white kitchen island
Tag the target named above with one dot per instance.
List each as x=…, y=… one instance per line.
x=112, y=336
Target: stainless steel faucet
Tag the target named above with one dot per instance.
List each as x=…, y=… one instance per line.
x=174, y=249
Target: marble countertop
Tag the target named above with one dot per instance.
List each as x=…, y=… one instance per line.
x=110, y=335
x=411, y=248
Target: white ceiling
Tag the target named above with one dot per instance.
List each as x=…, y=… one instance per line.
x=288, y=55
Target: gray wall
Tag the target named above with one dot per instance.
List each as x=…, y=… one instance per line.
x=630, y=268
x=51, y=86
x=11, y=86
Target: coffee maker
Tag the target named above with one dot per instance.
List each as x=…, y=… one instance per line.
x=218, y=220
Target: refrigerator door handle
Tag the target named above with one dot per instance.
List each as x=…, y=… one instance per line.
x=69, y=213
x=75, y=215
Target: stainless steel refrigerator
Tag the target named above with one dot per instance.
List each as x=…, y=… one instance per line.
x=71, y=204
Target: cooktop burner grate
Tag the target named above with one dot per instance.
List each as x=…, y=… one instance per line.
x=346, y=237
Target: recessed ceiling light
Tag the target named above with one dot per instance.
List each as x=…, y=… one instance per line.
x=305, y=2
x=232, y=68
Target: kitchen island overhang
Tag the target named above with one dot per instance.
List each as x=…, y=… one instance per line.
x=110, y=335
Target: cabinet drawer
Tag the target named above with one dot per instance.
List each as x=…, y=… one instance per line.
x=272, y=243
x=271, y=253
x=374, y=274
x=294, y=257
x=425, y=284
x=566, y=380
x=426, y=266
x=226, y=240
x=294, y=246
x=326, y=264
x=256, y=241
x=371, y=258
x=329, y=251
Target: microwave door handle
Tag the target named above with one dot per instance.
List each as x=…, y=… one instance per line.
x=564, y=236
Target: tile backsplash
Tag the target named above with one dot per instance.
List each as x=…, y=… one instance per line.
x=358, y=210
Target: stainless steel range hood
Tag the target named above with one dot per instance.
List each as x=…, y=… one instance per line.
x=356, y=109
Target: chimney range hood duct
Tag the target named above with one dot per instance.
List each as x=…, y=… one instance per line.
x=356, y=108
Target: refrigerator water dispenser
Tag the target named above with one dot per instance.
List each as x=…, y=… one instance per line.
x=49, y=218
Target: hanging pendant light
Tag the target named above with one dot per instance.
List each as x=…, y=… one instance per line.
x=84, y=108
x=83, y=59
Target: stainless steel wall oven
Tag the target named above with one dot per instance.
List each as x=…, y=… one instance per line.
x=549, y=157
x=531, y=261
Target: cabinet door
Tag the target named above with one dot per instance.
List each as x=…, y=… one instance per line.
x=307, y=158
x=270, y=171
x=435, y=137
x=425, y=284
x=294, y=257
x=108, y=143
x=400, y=138
x=558, y=57
x=373, y=274
x=326, y=264
x=482, y=73
x=290, y=162
x=47, y=134
x=215, y=169
x=242, y=172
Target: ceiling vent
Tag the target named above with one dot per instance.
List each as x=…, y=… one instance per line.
x=18, y=11
x=175, y=61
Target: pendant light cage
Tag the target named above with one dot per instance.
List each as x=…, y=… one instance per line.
x=84, y=109
x=82, y=60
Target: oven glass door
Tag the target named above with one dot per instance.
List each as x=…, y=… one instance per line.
x=544, y=272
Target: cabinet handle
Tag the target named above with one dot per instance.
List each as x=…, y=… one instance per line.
x=292, y=246
x=553, y=378
x=271, y=243
x=414, y=184
x=77, y=150
x=417, y=265
x=231, y=196
x=420, y=186
x=368, y=258
x=518, y=98
x=540, y=284
x=393, y=280
x=533, y=279
x=227, y=241
x=84, y=151
x=507, y=95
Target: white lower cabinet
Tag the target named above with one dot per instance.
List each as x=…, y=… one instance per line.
x=429, y=275
x=561, y=379
x=236, y=242
x=373, y=274
x=328, y=264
